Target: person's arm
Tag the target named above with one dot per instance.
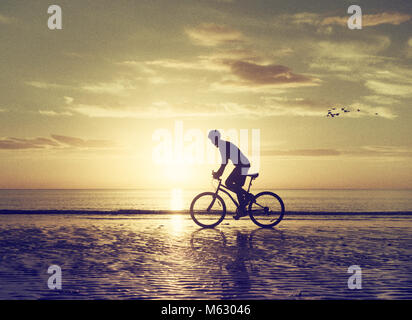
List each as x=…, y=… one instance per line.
x=224, y=157
x=219, y=172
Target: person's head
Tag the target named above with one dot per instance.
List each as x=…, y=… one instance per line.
x=214, y=137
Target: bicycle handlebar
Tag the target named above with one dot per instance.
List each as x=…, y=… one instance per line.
x=213, y=178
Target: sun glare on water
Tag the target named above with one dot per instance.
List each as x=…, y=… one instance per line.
x=176, y=204
x=176, y=223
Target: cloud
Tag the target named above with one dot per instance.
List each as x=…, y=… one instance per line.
x=408, y=49
x=370, y=20
x=353, y=51
x=68, y=100
x=353, y=60
x=392, y=89
x=252, y=74
x=96, y=111
x=376, y=151
x=302, y=152
x=369, y=152
x=379, y=99
x=203, y=63
x=118, y=87
x=211, y=34
x=184, y=110
x=35, y=143
x=57, y=142
x=211, y=62
x=81, y=143
x=361, y=62
x=45, y=85
x=283, y=106
x=300, y=18
x=158, y=109
x=269, y=106
x=52, y=113
x=162, y=109
x=6, y=20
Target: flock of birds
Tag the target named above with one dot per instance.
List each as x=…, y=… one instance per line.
x=335, y=112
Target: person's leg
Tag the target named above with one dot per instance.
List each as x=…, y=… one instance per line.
x=235, y=182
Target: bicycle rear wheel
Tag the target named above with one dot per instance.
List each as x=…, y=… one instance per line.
x=208, y=210
x=266, y=210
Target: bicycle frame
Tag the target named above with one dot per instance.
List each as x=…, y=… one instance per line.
x=222, y=187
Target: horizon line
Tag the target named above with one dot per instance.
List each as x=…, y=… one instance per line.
x=192, y=188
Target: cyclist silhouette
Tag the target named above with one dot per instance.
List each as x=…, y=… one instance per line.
x=237, y=178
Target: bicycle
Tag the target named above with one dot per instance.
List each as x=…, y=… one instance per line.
x=265, y=209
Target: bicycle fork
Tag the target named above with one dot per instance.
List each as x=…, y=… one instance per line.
x=212, y=203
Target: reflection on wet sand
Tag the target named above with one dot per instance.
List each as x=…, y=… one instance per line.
x=168, y=257
x=235, y=261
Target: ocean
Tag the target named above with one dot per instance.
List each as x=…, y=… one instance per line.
x=180, y=199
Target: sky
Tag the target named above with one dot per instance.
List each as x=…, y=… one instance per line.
x=88, y=106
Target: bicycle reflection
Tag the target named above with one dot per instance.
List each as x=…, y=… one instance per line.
x=237, y=258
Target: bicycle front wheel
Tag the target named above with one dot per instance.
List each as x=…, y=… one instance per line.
x=208, y=210
x=266, y=210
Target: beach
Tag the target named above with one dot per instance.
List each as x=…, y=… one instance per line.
x=166, y=256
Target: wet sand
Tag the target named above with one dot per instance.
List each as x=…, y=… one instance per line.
x=150, y=256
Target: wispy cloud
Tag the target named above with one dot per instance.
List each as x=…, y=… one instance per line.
x=82, y=143
x=212, y=34
x=269, y=106
x=6, y=20
x=34, y=143
x=46, y=85
x=369, y=152
x=55, y=142
x=391, y=89
x=202, y=63
x=408, y=50
x=370, y=20
x=68, y=100
x=52, y=113
x=118, y=87
x=380, y=99
x=302, y=152
x=356, y=51
x=379, y=151
x=276, y=75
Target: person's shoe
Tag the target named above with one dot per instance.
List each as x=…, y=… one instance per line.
x=240, y=212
